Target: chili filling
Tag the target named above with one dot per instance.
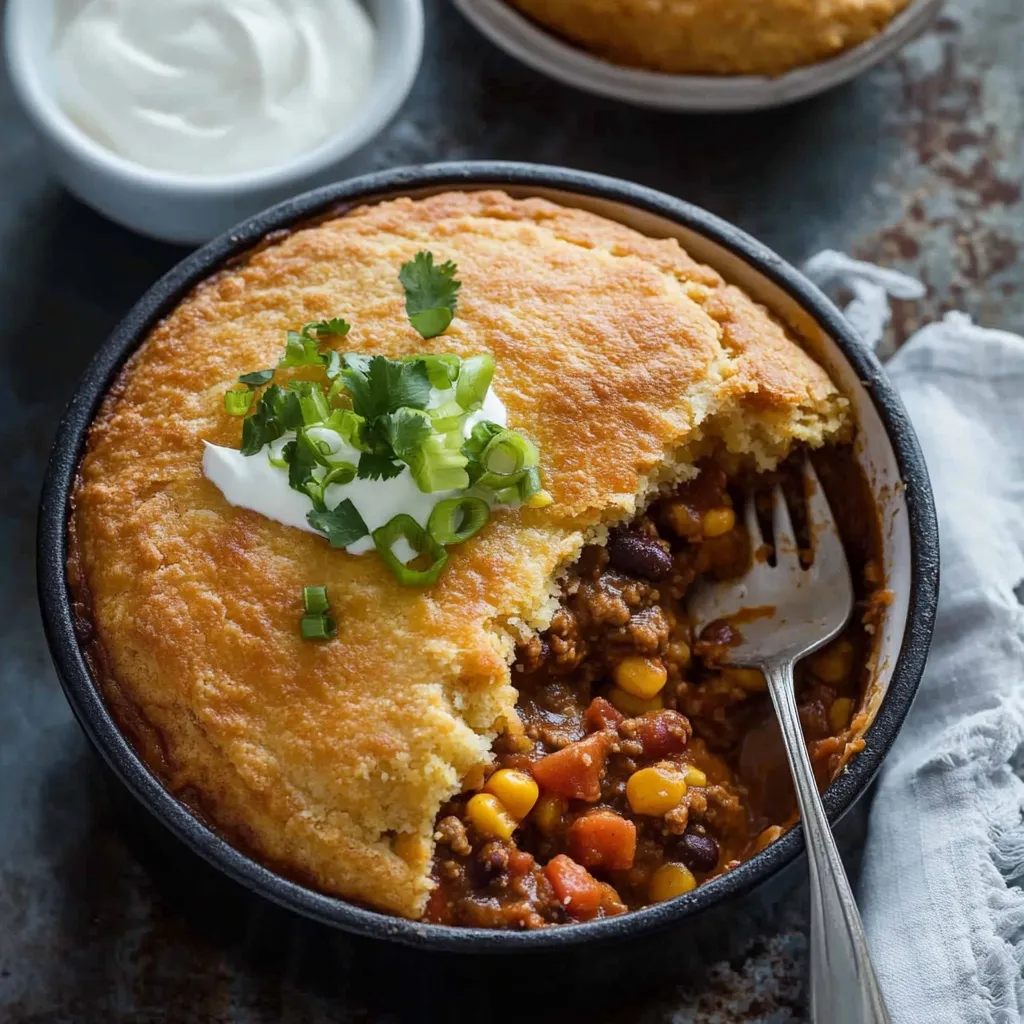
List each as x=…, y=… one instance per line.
x=644, y=766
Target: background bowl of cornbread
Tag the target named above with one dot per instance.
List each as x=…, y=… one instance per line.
x=712, y=55
x=663, y=253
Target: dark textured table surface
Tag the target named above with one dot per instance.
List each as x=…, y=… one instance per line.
x=919, y=164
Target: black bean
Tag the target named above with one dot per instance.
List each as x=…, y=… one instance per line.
x=699, y=853
x=638, y=555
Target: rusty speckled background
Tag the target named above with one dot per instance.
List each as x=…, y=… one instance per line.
x=918, y=164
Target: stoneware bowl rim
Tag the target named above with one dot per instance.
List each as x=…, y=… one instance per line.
x=91, y=711
x=547, y=53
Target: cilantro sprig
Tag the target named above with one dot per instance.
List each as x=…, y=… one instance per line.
x=430, y=293
x=372, y=417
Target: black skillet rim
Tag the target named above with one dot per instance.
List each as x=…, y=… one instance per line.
x=98, y=724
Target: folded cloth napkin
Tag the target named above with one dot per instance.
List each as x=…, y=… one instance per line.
x=944, y=860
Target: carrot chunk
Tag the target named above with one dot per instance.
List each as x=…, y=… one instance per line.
x=611, y=901
x=575, y=771
x=602, y=714
x=603, y=839
x=576, y=888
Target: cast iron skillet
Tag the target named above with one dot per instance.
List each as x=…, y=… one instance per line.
x=105, y=735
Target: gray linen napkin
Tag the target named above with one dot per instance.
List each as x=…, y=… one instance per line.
x=944, y=861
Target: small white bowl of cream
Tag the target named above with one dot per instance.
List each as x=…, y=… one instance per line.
x=178, y=118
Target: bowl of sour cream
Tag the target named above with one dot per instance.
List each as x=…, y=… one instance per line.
x=178, y=118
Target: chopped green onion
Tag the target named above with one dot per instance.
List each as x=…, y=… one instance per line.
x=275, y=452
x=474, y=380
x=530, y=484
x=479, y=438
x=340, y=473
x=256, y=379
x=349, y=425
x=446, y=417
x=442, y=369
x=504, y=461
x=420, y=541
x=318, y=627
x=301, y=350
x=457, y=519
x=314, y=599
x=436, y=467
x=237, y=403
x=329, y=444
x=506, y=495
x=312, y=401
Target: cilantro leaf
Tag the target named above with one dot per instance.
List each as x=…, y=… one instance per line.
x=379, y=385
x=268, y=421
x=430, y=293
x=343, y=525
x=332, y=364
x=406, y=430
x=301, y=463
x=378, y=466
x=256, y=379
x=337, y=326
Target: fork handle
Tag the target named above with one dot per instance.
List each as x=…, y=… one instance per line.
x=844, y=987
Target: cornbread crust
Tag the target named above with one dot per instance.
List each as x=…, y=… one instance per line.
x=618, y=354
x=714, y=37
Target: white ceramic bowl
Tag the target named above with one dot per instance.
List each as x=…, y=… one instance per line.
x=187, y=209
x=545, y=52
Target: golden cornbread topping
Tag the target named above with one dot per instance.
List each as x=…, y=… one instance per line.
x=628, y=366
x=714, y=37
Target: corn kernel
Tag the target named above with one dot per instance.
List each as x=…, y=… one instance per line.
x=642, y=677
x=684, y=520
x=767, y=837
x=717, y=521
x=669, y=881
x=547, y=813
x=656, y=790
x=516, y=790
x=539, y=500
x=679, y=653
x=750, y=679
x=839, y=714
x=833, y=664
x=486, y=813
x=873, y=572
x=634, y=706
x=695, y=777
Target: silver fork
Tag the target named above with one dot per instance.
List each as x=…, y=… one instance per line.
x=802, y=609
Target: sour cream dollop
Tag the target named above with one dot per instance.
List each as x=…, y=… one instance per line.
x=212, y=87
x=253, y=482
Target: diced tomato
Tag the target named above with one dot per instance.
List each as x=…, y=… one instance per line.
x=602, y=714
x=576, y=888
x=662, y=732
x=519, y=862
x=575, y=771
x=603, y=839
